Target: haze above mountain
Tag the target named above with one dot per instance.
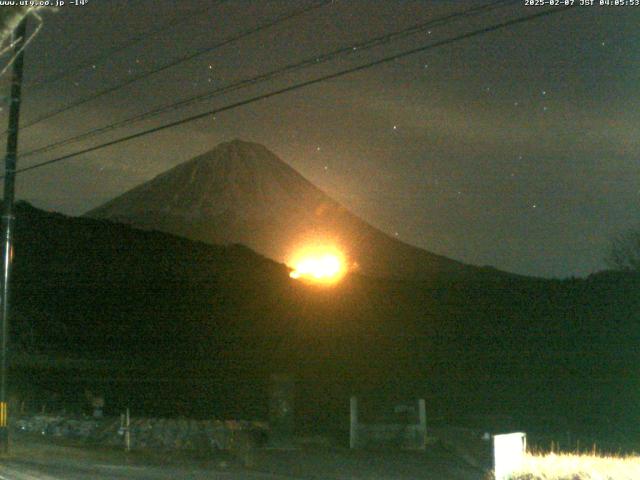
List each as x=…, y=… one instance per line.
x=240, y=192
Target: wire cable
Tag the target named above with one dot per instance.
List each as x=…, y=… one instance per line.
x=31, y=37
x=300, y=85
x=280, y=19
x=308, y=62
x=35, y=84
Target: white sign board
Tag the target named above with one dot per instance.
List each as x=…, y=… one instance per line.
x=508, y=454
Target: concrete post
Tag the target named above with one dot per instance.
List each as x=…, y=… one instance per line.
x=353, y=427
x=281, y=411
x=422, y=419
x=127, y=431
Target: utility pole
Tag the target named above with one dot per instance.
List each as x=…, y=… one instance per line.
x=18, y=37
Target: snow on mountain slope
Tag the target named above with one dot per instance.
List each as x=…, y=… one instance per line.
x=240, y=192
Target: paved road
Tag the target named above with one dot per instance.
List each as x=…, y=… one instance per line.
x=25, y=470
x=43, y=460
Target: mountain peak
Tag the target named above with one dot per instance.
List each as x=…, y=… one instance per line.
x=233, y=156
x=241, y=192
x=235, y=177
x=240, y=150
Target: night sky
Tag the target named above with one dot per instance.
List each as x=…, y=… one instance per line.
x=518, y=148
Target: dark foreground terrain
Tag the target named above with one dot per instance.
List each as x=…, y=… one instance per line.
x=170, y=327
x=37, y=458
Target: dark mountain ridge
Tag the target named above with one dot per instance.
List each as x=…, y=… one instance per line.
x=211, y=323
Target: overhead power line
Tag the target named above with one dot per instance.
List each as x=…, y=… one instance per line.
x=99, y=58
x=234, y=38
x=308, y=62
x=300, y=85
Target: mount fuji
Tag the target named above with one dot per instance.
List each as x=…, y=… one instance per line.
x=240, y=192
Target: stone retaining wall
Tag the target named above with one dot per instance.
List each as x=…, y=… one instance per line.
x=156, y=433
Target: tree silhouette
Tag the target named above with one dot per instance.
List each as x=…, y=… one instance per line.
x=625, y=251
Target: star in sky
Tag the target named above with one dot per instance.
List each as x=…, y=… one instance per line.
x=450, y=92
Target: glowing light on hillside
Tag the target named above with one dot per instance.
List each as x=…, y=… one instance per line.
x=318, y=264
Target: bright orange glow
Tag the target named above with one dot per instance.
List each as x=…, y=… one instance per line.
x=319, y=264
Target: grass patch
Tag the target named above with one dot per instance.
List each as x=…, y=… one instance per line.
x=576, y=466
